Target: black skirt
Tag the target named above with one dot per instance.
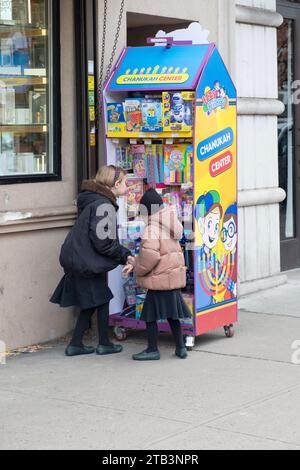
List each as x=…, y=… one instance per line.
x=163, y=305
x=85, y=293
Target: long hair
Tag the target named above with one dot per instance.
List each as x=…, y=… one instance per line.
x=109, y=175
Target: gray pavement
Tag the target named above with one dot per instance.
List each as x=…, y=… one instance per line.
x=240, y=393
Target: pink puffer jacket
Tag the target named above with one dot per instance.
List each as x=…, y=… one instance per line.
x=160, y=264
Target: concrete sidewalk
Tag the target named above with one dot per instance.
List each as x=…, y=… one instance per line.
x=241, y=393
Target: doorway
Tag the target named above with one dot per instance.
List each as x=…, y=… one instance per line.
x=289, y=132
x=141, y=26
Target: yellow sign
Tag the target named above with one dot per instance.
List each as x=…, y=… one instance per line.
x=146, y=79
x=93, y=140
x=92, y=113
x=91, y=83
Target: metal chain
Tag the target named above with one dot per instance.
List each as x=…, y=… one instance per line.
x=111, y=60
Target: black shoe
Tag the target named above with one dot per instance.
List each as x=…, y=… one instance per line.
x=79, y=350
x=110, y=349
x=147, y=356
x=181, y=353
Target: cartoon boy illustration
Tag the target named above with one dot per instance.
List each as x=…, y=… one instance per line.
x=208, y=214
x=229, y=239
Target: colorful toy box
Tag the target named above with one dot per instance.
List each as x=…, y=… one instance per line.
x=175, y=164
x=115, y=118
x=133, y=115
x=134, y=195
x=178, y=111
x=152, y=115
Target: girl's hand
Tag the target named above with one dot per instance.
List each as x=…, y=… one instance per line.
x=131, y=260
x=128, y=269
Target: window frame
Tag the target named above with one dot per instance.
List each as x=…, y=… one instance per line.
x=55, y=129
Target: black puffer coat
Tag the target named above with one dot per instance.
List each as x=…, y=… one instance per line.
x=84, y=252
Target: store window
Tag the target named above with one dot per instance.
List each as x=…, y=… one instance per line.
x=286, y=125
x=29, y=90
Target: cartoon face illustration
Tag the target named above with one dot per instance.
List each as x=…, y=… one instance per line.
x=140, y=167
x=176, y=161
x=229, y=235
x=229, y=229
x=114, y=116
x=177, y=99
x=209, y=227
x=131, y=197
x=217, y=85
x=151, y=112
x=209, y=213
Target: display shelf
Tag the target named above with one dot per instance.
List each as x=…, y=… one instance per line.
x=24, y=129
x=150, y=135
x=27, y=30
x=21, y=81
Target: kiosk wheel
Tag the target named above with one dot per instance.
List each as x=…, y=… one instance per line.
x=229, y=331
x=189, y=342
x=120, y=333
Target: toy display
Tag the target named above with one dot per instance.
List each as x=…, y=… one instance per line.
x=124, y=157
x=152, y=115
x=178, y=111
x=157, y=114
x=173, y=128
x=175, y=164
x=133, y=115
x=173, y=199
x=134, y=195
x=115, y=118
x=138, y=160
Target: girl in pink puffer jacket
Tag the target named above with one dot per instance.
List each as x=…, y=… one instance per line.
x=160, y=268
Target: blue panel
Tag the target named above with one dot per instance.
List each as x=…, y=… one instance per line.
x=216, y=73
x=160, y=68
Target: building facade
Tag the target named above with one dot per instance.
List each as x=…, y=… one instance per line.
x=36, y=212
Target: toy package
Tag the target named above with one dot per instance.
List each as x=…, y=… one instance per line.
x=123, y=157
x=189, y=300
x=154, y=155
x=134, y=195
x=188, y=174
x=173, y=199
x=140, y=300
x=175, y=164
x=130, y=291
x=138, y=160
x=187, y=205
x=152, y=115
x=133, y=114
x=115, y=118
x=178, y=111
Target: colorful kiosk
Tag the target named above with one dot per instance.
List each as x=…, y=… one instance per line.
x=170, y=122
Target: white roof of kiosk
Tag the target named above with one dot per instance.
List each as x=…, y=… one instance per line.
x=160, y=68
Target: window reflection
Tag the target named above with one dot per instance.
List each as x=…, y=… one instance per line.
x=286, y=126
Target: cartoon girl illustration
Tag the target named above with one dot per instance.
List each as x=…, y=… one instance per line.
x=176, y=161
x=140, y=167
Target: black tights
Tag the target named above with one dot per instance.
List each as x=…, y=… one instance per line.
x=152, y=330
x=84, y=321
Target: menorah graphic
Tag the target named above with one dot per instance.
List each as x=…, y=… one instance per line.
x=157, y=70
x=216, y=273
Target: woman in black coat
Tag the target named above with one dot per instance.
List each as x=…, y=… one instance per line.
x=91, y=250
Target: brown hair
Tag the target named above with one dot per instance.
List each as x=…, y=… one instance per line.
x=109, y=175
x=229, y=216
